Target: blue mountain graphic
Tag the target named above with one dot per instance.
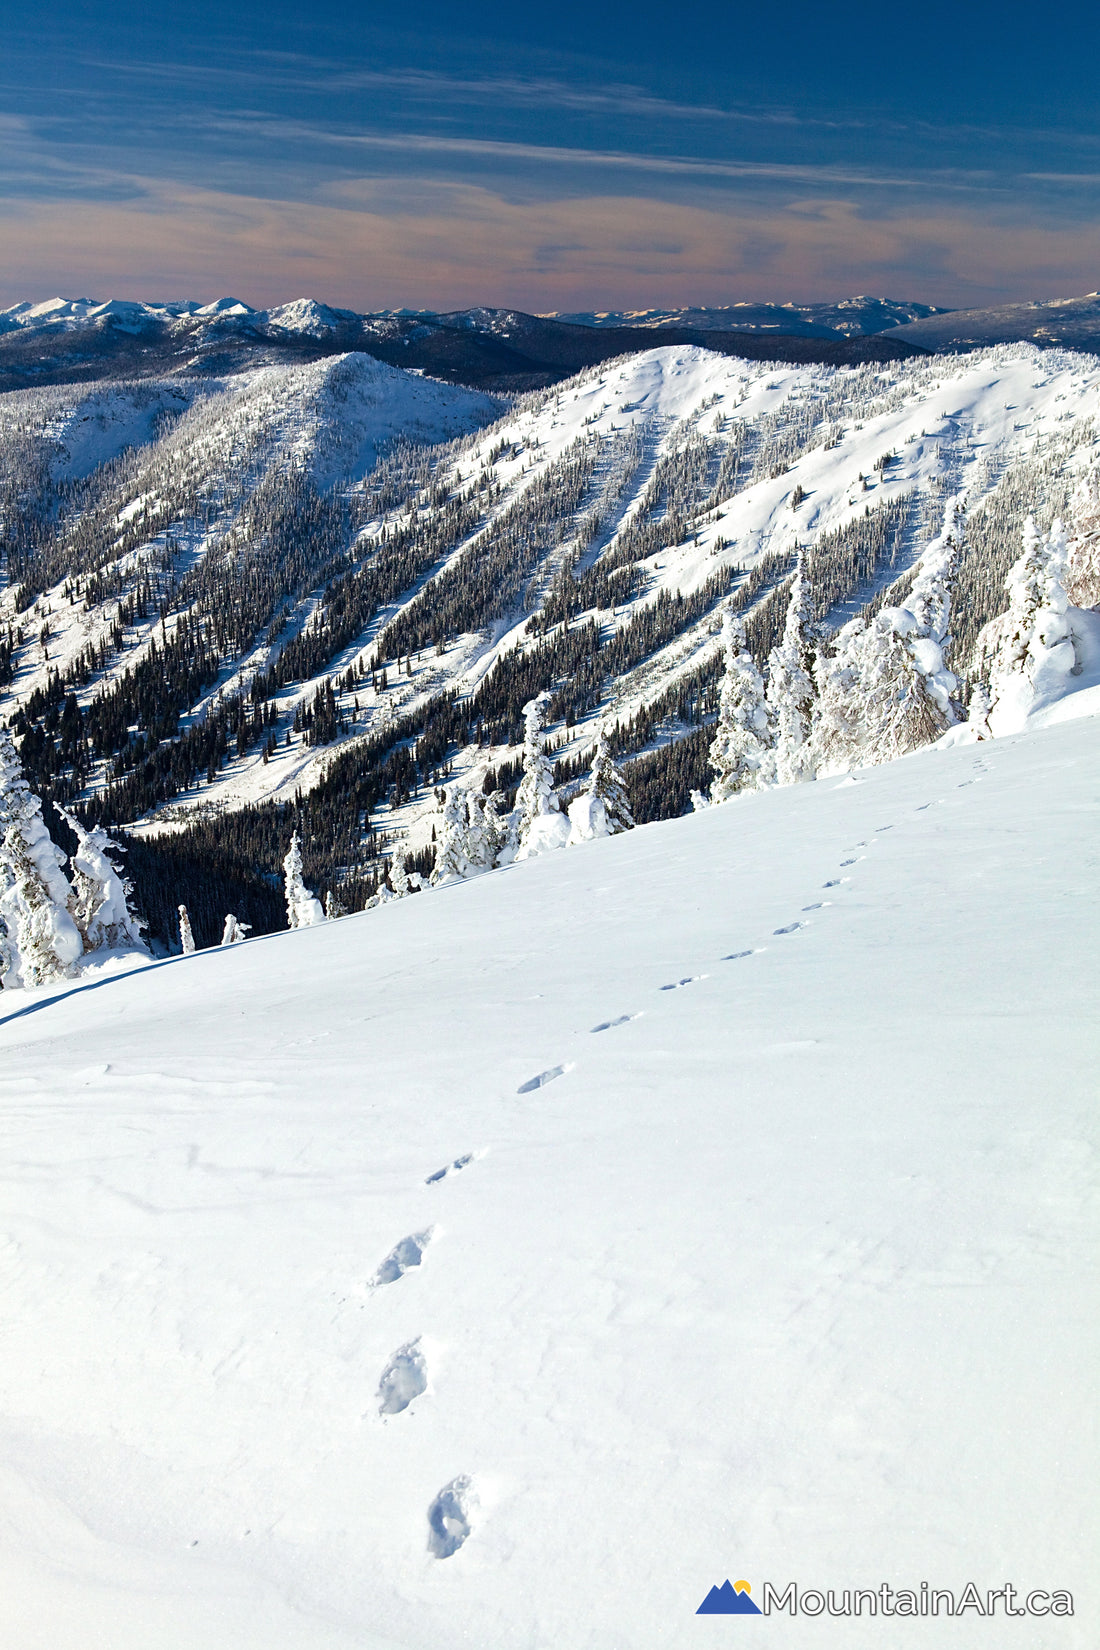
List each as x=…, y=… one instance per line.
x=723, y=1601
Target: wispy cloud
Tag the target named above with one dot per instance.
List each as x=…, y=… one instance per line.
x=509, y=152
x=447, y=244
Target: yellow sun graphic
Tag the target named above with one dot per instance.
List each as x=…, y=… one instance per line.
x=741, y=1587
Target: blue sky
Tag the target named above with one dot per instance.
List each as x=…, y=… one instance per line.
x=558, y=157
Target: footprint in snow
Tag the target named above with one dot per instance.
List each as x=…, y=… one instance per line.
x=609, y=1025
x=847, y=862
x=404, y=1378
x=403, y=1257
x=449, y=1517
x=450, y=1168
x=836, y=882
x=542, y=1079
x=791, y=928
x=688, y=979
x=816, y=906
x=735, y=956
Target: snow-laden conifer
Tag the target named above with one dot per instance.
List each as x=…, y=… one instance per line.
x=885, y=690
x=234, y=931
x=790, y=692
x=471, y=836
x=41, y=942
x=187, y=938
x=1034, y=643
x=540, y=824
x=603, y=808
x=100, y=901
x=740, y=752
x=303, y=909
x=1082, y=574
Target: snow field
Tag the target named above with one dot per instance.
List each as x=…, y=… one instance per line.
x=763, y=1246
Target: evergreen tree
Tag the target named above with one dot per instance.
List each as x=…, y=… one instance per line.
x=1034, y=643
x=790, y=693
x=303, y=909
x=740, y=752
x=472, y=836
x=602, y=809
x=187, y=939
x=235, y=931
x=40, y=941
x=540, y=824
x=1082, y=575
x=100, y=901
x=886, y=690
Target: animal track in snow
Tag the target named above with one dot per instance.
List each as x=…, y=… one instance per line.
x=735, y=956
x=847, y=862
x=791, y=928
x=450, y=1168
x=404, y=1378
x=402, y=1257
x=689, y=979
x=542, y=1079
x=816, y=906
x=609, y=1025
x=449, y=1517
x=836, y=882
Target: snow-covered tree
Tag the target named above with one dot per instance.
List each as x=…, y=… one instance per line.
x=885, y=690
x=187, y=939
x=303, y=909
x=235, y=931
x=100, y=899
x=977, y=720
x=1082, y=575
x=334, y=908
x=1033, y=644
x=790, y=692
x=540, y=824
x=39, y=941
x=699, y=801
x=602, y=809
x=471, y=836
x=740, y=752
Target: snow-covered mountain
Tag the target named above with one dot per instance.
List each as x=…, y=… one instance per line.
x=322, y=612
x=1065, y=323
x=513, y=1264
x=82, y=340
x=847, y=318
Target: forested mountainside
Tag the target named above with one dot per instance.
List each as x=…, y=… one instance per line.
x=305, y=596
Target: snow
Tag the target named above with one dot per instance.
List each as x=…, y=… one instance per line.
x=714, y=1200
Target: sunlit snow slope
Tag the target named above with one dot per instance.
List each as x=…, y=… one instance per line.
x=766, y=1246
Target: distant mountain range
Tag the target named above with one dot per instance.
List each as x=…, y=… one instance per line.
x=849, y=318
x=81, y=340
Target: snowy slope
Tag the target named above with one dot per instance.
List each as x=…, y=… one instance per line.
x=783, y=456
x=771, y=1254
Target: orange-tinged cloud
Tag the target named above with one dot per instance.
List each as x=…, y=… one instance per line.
x=369, y=244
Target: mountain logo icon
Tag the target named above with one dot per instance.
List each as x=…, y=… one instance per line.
x=729, y=1600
